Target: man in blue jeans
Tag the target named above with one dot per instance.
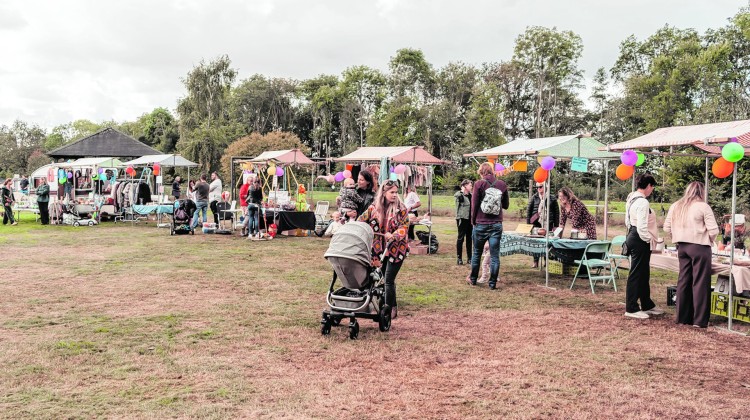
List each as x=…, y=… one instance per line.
x=487, y=226
x=201, y=200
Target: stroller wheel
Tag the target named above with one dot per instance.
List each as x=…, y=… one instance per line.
x=384, y=321
x=325, y=327
x=353, y=330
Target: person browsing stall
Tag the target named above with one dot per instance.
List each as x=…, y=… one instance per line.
x=640, y=222
x=201, y=200
x=537, y=212
x=412, y=203
x=488, y=200
x=572, y=208
x=214, y=195
x=254, y=202
x=463, y=220
x=7, y=200
x=389, y=219
x=693, y=227
x=42, y=200
x=176, y=187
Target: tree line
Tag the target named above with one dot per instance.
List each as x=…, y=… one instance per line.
x=673, y=77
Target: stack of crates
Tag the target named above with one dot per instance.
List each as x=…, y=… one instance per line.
x=720, y=303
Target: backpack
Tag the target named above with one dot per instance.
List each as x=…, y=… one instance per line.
x=492, y=203
x=180, y=214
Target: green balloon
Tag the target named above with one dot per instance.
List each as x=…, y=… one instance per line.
x=641, y=158
x=61, y=180
x=732, y=152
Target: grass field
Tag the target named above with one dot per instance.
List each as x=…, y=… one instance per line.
x=126, y=321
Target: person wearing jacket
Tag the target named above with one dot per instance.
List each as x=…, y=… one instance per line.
x=487, y=227
x=463, y=220
x=6, y=199
x=536, y=212
x=42, y=200
x=693, y=227
x=214, y=195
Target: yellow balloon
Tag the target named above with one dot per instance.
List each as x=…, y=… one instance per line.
x=271, y=170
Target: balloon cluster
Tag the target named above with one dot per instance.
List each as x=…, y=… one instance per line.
x=630, y=159
x=274, y=170
x=341, y=175
x=731, y=153
x=130, y=171
x=542, y=173
x=157, y=169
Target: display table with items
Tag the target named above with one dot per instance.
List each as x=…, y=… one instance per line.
x=288, y=220
x=153, y=208
x=28, y=207
x=564, y=250
x=741, y=270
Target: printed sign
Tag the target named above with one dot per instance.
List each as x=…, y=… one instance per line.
x=579, y=164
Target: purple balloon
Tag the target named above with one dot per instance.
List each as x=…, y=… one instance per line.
x=70, y=175
x=499, y=167
x=101, y=170
x=549, y=162
x=339, y=177
x=629, y=158
x=279, y=171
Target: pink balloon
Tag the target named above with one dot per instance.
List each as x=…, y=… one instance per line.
x=279, y=171
x=347, y=174
x=629, y=158
x=499, y=167
x=549, y=162
x=339, y=177
x=399, y=169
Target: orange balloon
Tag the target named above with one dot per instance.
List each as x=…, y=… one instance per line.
x=540, y=175
x=624, y=171
x=722, y=168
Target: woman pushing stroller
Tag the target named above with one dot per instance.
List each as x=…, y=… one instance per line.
x=389, y=220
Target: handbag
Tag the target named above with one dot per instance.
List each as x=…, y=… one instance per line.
x=625, y=249
x=534, y=218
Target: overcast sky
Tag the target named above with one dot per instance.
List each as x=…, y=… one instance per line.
x=103, y=60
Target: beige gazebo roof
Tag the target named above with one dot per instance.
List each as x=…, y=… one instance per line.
x=398, y=154
x=701, y=136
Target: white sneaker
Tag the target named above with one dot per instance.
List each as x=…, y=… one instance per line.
x=637, y=315
x=655, y=311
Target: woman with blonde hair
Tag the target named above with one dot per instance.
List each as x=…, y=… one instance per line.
x=389, y=219
x=693, y=227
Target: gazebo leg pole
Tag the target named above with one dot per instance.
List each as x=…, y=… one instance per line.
x=606, y=199
x=705, y=182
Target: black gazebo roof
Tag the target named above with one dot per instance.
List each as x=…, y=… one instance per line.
x=104, y=143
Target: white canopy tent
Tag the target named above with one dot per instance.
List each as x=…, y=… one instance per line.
x=706, y=137
x=171, y=160
x=560, y=147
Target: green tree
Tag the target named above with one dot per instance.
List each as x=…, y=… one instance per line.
x=364, y=90
x=263, y=104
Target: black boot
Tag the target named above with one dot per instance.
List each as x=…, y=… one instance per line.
x=460, y=261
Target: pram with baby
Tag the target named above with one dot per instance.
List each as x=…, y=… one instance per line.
x=182, y=217
x=362, y=294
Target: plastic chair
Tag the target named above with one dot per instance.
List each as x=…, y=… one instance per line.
x=321, y=217
x=595, y=258
x=616, y=258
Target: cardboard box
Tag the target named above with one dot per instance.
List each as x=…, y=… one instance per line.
x=418, y=250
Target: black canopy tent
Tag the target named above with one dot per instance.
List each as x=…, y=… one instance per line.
x=104, y=143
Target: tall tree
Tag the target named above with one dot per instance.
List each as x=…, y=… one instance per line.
x=263, y=104
x=550, y=59
x=364, y=91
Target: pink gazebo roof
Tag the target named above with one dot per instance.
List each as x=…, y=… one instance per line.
x=288, y=157
x=399, y=154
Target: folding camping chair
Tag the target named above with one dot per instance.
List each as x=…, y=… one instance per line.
x=595, y=258
x=616, y=258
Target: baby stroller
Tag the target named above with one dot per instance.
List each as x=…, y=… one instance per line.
x=182, y=217
x=363, y=291
x=739, y=230
x=78, y=214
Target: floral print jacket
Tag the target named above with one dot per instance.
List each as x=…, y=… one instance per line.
x=398, y=225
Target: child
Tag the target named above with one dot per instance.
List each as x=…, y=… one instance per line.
x=349, y=199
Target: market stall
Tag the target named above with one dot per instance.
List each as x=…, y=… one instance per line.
x=578, y=149
x=725, y=142
x=286, y=204
x=411, y=165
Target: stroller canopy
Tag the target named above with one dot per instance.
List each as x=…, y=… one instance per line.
x=352, y=241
